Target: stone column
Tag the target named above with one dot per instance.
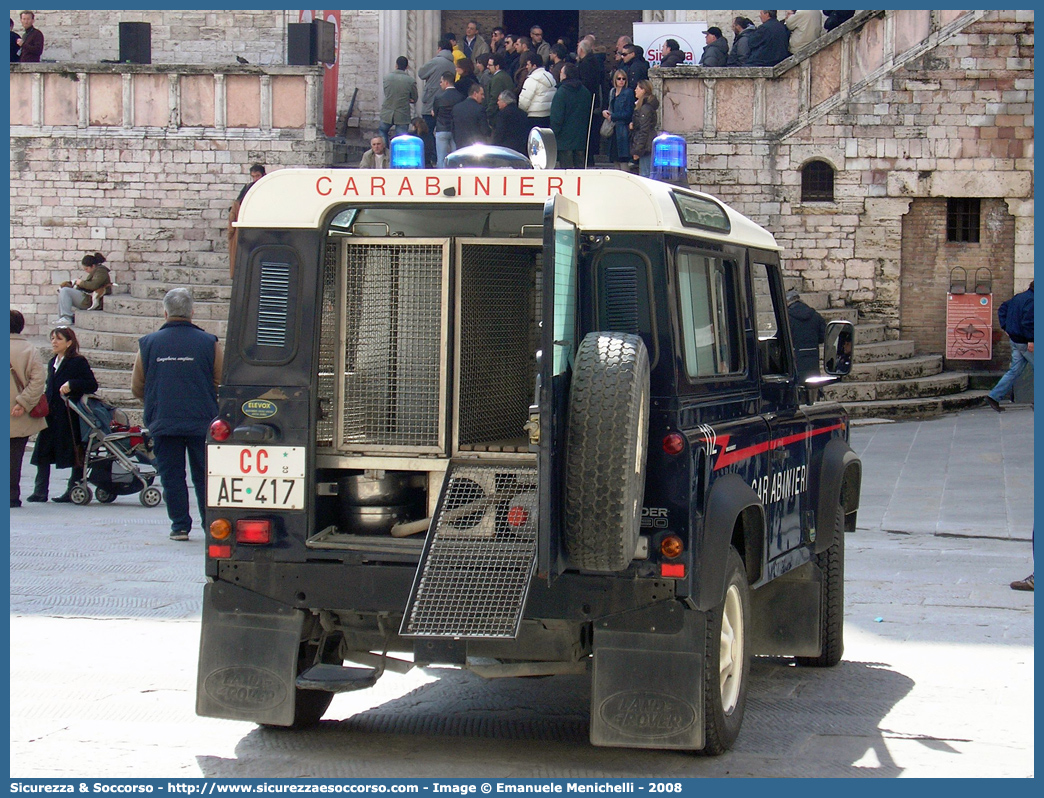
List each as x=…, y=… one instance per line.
x=412, y=33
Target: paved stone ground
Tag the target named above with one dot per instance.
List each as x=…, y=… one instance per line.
x=937, y=678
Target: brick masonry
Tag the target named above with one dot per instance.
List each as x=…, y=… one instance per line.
x=957, y=120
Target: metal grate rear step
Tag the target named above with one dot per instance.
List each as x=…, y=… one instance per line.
x=479, y=556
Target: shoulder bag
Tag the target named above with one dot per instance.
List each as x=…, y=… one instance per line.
x=42, y=408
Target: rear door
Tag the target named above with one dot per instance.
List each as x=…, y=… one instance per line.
x=558, y=346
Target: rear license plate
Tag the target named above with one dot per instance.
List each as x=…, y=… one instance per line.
x=265, y=477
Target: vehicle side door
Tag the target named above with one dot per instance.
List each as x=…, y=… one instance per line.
x=784, y=491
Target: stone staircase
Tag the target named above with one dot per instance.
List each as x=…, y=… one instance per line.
x=888, y=380
x=109, y=338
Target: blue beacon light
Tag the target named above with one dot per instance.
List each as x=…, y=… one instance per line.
x=670, y=159
x=407, y=152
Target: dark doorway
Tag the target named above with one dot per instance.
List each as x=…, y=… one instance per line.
x=553, y=23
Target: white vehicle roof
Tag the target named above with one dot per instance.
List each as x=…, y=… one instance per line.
x=607, y=199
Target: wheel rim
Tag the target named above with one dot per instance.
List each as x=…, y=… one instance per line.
x=730, y=657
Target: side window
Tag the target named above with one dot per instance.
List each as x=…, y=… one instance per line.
x=271, y=312
x=708, y=295
x=768, y=315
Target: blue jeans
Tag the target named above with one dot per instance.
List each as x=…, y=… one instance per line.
x=170, y=453
x=1020, y=355
x=645, y=165
x=385, y=130
x=443, y=146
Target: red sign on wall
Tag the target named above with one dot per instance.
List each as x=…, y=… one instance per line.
x=330, y=75
x=969, y=326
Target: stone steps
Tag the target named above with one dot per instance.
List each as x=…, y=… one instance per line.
x=879, y=351
x=903, y=369
x=890, y=390
x=153, y=289
x=919, y=407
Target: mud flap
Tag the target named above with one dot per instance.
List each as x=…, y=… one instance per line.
x=647, y=684
x=247, y=656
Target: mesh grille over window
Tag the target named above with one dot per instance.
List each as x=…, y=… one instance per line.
x=817, y=182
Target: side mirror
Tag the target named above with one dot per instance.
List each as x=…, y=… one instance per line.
x=837, y=348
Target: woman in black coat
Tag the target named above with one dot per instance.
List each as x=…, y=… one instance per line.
x=68, y=375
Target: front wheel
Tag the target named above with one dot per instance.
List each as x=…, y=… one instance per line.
x=150, y=497
x=80, y=495
x=727, y=661
x=104, y=496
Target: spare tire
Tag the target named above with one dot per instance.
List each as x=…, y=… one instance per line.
x=606, y=451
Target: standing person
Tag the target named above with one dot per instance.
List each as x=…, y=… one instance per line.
x=445, y=99
x=16, y=43
x=28, y=382
x=804, y=26
x=673, y=55
x=1016, y=319
x=482, y=73
x=257, y=171
x=634, y=64
x=1027, y=583
x=571, y=118
x=177, y=372
x=32, y=40
x=769, y=43
x=621, y=111
x=835, y=18
x=538, y=91
x=473, y=44
x=400, y=92
x=69, y=376
x=558, y=60
x=469, y=119
x=591, y=77
x=740, y=52
x=808, y=331
x=511, y=126
x=431, y=73
x=465, y=69
x=496, y=39
x=716, y=53
x=499, y=82
x=376, y=157
x=643, y=127
x=78, y=295
x=542, y=48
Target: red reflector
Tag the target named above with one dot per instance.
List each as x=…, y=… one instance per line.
x=675, y=570
x=217, y=551
x=517, y=516
x=253, y=531
x=673, y=443
x=220, y=430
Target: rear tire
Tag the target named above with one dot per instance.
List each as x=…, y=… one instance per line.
x=605, y=459
x=104, y=496
x=726, y=669
x=831, y=563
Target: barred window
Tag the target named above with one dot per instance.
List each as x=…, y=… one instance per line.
x=962, y=220
x=817, y=182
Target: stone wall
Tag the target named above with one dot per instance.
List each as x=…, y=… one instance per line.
x=911, y=105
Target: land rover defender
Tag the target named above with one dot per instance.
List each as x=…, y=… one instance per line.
x=526, y=422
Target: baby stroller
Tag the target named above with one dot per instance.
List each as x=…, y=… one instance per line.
x=118, y=458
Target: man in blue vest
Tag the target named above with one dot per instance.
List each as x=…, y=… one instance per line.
x=176, y=372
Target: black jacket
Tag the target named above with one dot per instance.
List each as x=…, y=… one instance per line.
x=54, y=445
x=715, y=54
x=769, y=44
x=835, y=18
x=511, y=128
x=672, y=59
x=637, y=70
x=469, y=123
x=740, y=52
x=808, y=331
x=442, y=107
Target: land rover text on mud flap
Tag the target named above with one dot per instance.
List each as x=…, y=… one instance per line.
x=523, y=422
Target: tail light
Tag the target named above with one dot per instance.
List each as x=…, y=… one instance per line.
x=220, y=429
x=671, y=546
x=674, y=443
x=254, y=530
x=219, y=551
x=517, y=516
x=220, y=528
